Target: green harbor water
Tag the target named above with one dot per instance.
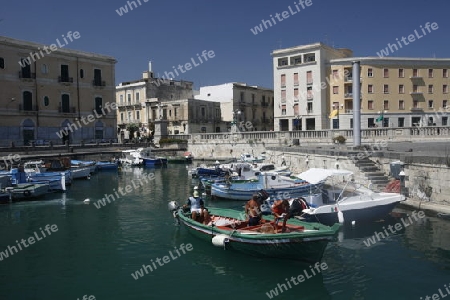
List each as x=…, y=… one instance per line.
x=94, y=252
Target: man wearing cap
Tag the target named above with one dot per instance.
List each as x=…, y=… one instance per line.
x=197, y=207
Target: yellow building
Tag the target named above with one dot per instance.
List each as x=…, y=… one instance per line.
x=55, y=96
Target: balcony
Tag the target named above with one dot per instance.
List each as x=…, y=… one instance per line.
x=96, y=82
x=25, y=108
x=348, y=111
x=309, y=82
x=310, y=97
x=264, y=104
x=27, y=75
x=348, y=95
x=348, y=79
x=415, y=77
x=65, y=79
x=416, y=93
x=67, y=110
x=254, y=104
x=416, y=109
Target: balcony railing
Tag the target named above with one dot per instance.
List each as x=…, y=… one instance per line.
x=310, y=111
x=309, y=81
x=65, y=79
x=27, y=75
x=416, y=109
x=348, y=95
x=28, y=107
x=98, y=83
x=264, y=104
x=310, y=96
x=348, y=111
x=67, y=110
x=416, y=77
x=416, y=93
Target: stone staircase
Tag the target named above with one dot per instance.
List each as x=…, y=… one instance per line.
x=372, y=172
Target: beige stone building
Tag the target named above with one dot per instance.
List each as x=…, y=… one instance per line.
x=251, y=107
x=149, y=100
x=313, y=89
x=55, y=96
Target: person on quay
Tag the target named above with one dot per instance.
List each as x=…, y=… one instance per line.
x=280, y=210
x=253, y=211
x=196, y=205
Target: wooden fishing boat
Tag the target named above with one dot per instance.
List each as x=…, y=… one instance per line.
x=228, y=229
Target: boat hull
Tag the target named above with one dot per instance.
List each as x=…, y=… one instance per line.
x=152, y=162
x=25, y=191
x=307, y=247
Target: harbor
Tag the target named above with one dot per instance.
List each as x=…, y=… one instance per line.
x=96, y=251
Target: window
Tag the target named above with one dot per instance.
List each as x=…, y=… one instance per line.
x=121, y=99
x=44, y=69
x=401, y=122
x=415, y=73
x=430, y=103
x=415, y=104
x=370, y=89
x=401, y=104
x=203, y=112
x=27, y=101
x=415, y=88
x=137, y=97
x=25, y=69
x=99, y=130
x=309, y=78
x=386, y=73
x=386, y=89
x=430, y=89
x=2, y=63
x=175, y=112
x=444, y=103
x=129, y=99
x=445, y=89
x=46, y=101
x=370, y=72
x=430, y=73
x=444, y=121
x=370, y=104
x=283, y=95
x=282, y=62
x=309, y=93
x=295, y=78
x=386, y=122
x=445, y=73
x=310, y=107
x=335, y=90
x=283, y=110
x=335, y=105
x=242, y=97
x=371, y=122
x=64, y=74
x=386, y=104
x=121, y=117
x=295, y=94
x=401, y=89
x=98, y=77
x=81, y=73
x=401, y=73
x=335, y=74
x=283, y=80
x=129, y=116
x=65, y=103
x=98, y=105
x=138, y=117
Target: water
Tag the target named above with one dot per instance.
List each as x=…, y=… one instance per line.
x=95, y=251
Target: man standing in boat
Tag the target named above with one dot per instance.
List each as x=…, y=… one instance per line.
x=253, y=211
x=197, y=206
x=280, y=210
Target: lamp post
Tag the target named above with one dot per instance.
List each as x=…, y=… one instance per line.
x=402, y=181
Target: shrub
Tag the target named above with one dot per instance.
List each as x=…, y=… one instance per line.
x=339, y=139
x=171, y=141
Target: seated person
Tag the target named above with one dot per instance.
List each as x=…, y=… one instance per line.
x=253, y=211
x=198, y=210
x=280, y=210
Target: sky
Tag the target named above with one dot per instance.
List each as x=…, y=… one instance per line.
x=170, y=33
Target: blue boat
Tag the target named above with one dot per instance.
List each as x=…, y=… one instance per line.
x=277, y=186
x=107, y=165
x=151, y=160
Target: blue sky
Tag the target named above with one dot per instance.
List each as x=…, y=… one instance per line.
x=172, y=32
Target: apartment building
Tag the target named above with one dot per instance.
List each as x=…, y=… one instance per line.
x=148, y=100
x=395, y=92
x=314, y=89
x=62, y=96
x=242, y=104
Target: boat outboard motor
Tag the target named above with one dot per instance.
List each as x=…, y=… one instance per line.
x=173, y=207
x=262, y=196
x=297, y=206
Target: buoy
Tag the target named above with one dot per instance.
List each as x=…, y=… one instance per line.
x=353, y=223
x=220, y=240
x=87, y=201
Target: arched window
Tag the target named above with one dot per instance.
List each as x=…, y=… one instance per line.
x=46, y=101
x=2, y=63
x=44, y=69
x=27, y=101
x=81, y=73
x=98, y=105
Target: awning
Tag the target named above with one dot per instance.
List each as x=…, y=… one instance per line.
x=316, y=175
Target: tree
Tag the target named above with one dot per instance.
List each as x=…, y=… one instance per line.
x=132, y=128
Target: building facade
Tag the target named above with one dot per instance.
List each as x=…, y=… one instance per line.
x=251, y=107
x=148, y=100
x=314, y=90
x=65, y=95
